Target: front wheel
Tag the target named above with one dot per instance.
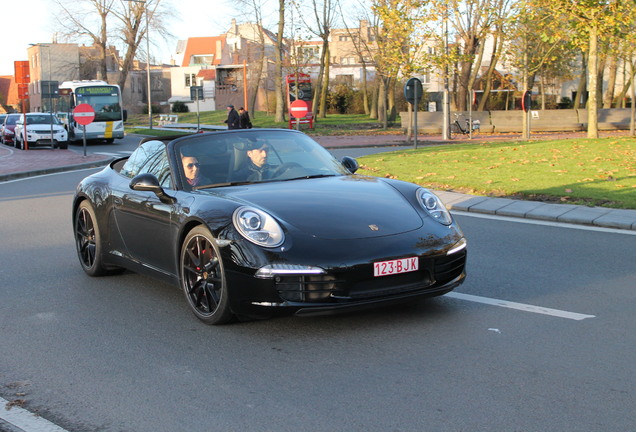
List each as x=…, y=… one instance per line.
x=203, y=278
x=88, y=240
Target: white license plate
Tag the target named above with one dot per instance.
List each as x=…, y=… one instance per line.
x=404, y=265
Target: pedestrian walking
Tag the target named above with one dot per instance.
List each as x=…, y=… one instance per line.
x=232, y=118
x=244, y=119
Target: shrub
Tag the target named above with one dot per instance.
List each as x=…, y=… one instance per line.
x=155, y=109
x=180, y=107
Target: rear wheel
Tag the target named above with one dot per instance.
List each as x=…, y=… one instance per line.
x=88, y=240
x=203, y=277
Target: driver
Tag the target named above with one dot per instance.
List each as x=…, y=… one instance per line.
x=256, y=168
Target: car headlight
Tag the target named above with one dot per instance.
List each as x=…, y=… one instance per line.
x=258, y=227
x=434, y=206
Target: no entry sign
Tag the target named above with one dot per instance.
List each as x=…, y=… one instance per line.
x=84, y=114
x=299, y=108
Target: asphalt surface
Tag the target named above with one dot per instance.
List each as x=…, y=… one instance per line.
x=16, y=164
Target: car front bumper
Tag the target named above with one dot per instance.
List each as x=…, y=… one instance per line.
x=346, y=286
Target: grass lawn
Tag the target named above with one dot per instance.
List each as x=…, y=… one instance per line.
x=595, y=172
x=340, y=124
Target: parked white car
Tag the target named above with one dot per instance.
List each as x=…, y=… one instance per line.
x=38, y=131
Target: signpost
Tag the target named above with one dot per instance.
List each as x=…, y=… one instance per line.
x=298, y=109
x=526, y=105
x=413, y=94
x=299, y=89
x=196, y=93
x=84, y=114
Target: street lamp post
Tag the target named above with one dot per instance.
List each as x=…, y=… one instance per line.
x=147, y=59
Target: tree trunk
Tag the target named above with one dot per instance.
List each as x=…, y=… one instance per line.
x=580, y=91
x=374, y=100
x=592, y=110
x=319, y=82
x=392, y=112
x=382, y=104
x=325, y=87
x=494, y=58
x=632, y=110
x=365, y=92
x=278, y=78
x=103, y=69
x=608, y=99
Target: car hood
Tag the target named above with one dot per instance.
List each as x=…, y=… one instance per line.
x=43, y=126
x=343, y=207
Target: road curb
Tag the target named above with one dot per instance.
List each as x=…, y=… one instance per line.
x=53, y=170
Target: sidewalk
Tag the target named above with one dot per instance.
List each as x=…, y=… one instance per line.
x=15, y=164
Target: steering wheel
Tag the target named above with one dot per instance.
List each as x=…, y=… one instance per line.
x=284, y=168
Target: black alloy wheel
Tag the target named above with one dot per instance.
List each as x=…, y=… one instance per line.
x=88, y=240
x=203, y=277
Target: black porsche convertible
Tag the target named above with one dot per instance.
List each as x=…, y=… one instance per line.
x=254, y=222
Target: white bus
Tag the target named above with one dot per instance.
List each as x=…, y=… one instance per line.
x=106, y=101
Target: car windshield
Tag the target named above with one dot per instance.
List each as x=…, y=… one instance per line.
x=253, y=156
x=42, y=119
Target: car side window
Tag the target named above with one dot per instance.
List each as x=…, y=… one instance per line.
x=151, y=157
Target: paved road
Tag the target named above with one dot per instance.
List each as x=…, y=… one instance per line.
x=537, y=339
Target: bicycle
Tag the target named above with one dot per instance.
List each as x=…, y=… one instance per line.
x=456, y=126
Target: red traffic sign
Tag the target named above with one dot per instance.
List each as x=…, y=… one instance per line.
x=298, y=108
x=84, y=114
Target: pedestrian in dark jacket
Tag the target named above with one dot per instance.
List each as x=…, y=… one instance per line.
x=244, y=119
x=232, y=118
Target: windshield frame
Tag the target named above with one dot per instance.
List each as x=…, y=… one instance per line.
x=224, y=160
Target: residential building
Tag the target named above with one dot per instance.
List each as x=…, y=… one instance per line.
x=233, y=68
x=50, y=63
x=9, y=101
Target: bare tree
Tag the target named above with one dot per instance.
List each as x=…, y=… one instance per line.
x=324, y=14
x=87, y=19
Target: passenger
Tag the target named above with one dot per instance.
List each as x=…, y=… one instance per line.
x=191, y=168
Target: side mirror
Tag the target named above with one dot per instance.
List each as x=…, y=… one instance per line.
x=150, y=183
x=350, y=164
x=125, y=113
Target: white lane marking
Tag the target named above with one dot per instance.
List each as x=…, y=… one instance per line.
x=544, y=222
x=26, y=420
x=520, y=306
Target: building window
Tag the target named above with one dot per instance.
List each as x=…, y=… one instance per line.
x=202, y=60
x=190, y=79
